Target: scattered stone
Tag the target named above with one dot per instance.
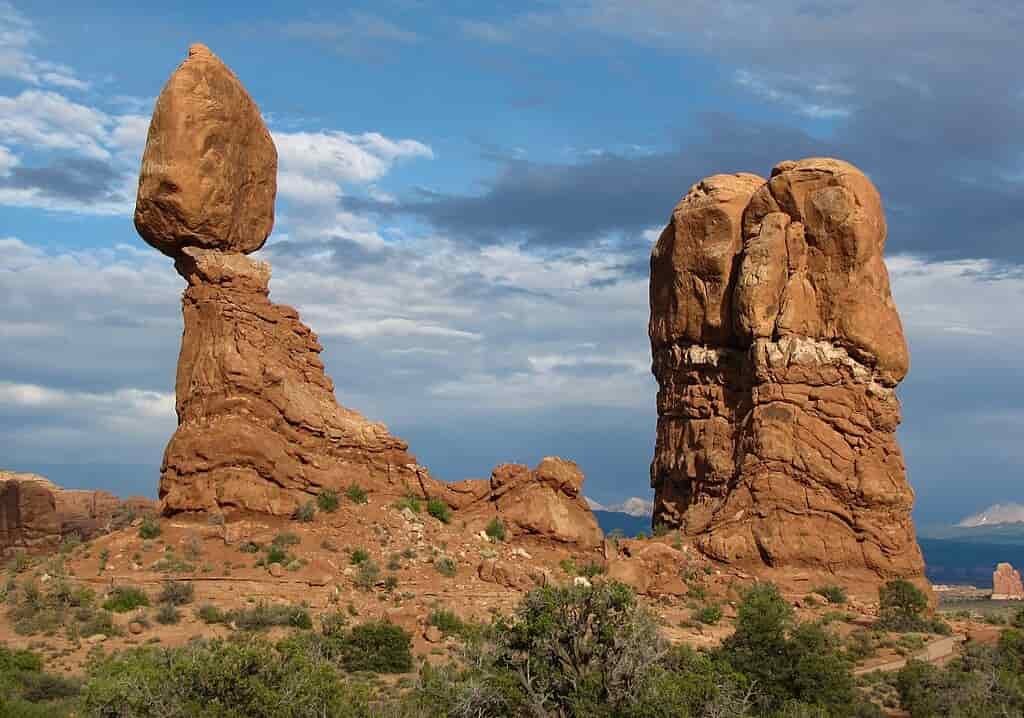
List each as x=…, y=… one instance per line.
x=276, y=570
x=433, y=634
x=135, y=628
x=582, y=581
x=95, y=638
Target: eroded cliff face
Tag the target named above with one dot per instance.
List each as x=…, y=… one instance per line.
x=777, y=349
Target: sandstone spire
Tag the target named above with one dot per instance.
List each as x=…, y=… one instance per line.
x=777, y=348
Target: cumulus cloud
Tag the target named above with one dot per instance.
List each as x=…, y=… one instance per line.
x=315, y=166
x=18, y=62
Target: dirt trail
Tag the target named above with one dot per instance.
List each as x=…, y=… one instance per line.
x=935, y=652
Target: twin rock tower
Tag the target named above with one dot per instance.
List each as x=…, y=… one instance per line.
x=776, y=345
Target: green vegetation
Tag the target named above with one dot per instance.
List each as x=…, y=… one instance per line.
x=367, y=575
x=901, y=607
x=259, y=617
x=446, y=566
x=566, y=652
x=495, y=530
x=359, y=555
x=168, y=614
x=409, y=502
x=122, y=599
x=709, y=614
x=26, y=691
x=176, y=593
x=149, y=528
x=305, y=513
x=328, y=501
x=439, y=510
x=985, y=681
x=832, y=593
x=356, y=494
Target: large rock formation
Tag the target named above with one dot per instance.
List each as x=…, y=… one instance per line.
x=258, y=425
x=777, y=349
x=1007, y=584
x=259, y=428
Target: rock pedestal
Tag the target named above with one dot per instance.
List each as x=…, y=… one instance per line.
x=777, y=349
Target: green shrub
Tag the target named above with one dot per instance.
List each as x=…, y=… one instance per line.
x=263, y=616
x=176, y=593
x=359, y=555
x=286, y=538
x=276, y=554
x=122, y=599
x=901, y=606
x=447, y=621
x=495, y=530
x=833, y=593
x=208, y=613
x=439, y=510
x=305, y=513
x=390, y=582
x=167, y=614
x=591, y=569
x=709, y=614
x=220, y=679
x=409, y=502
x=328, y=501
x=446, y=566
x=378, y=646
x=1018, y=619
x=149, y=528
x=790, y=662
x=356, y=494
x=367, y=575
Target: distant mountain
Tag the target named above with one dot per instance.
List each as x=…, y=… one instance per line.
x=634, y=506
x=995, y=515
x=618, y=521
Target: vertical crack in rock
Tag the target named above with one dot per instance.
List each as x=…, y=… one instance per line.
x=777, y=349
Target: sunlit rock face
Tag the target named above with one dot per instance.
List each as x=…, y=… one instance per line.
x=777, y=349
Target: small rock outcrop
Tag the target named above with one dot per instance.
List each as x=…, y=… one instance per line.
x=1007, y=584
x=777, y=349
x=36, y=514
x=259, y=428
x=545, y=502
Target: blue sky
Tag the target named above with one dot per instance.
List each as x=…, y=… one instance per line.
x=467, y=200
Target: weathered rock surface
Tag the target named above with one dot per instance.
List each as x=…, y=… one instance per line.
x=545, y=503
x=36, y=514
x=1007, y=584
x=209, y=171
x=259, y=428
x=777, y=348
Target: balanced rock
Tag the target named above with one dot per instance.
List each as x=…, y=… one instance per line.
x=209, y=170
x=777, y=348
x=1007, y=584
x=259, y=428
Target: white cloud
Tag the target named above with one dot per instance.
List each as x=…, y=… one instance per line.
x=17, y=62
x=46, y=119
x=957, y=301
x=315, y=166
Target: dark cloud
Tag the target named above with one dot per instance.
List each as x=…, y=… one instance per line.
x=75, y=179
x=926, y=98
